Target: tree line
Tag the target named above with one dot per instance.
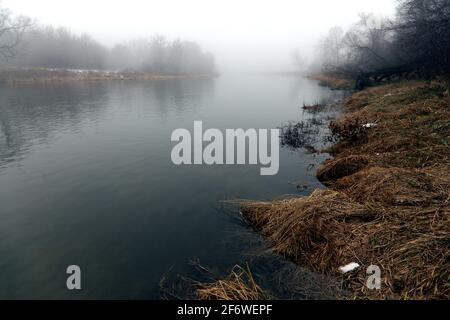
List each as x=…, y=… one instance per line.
x=25, y=44
x=416, y=40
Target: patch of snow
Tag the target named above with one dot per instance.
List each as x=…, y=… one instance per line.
x=349, y=267
x=369, y=125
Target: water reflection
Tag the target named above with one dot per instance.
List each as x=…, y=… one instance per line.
x=32, y=114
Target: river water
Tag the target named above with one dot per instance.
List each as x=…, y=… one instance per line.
x=86, y=179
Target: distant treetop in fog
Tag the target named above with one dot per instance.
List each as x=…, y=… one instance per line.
x=48, y=47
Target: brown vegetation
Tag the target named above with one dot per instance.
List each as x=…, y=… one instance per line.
x=334, y=81
x=341, y=167
x=44, y=75
x=388, y=197
x=239, y=285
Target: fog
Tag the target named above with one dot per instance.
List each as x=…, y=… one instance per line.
x=243, y=35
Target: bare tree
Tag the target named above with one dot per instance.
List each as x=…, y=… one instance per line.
x=11, y=32
x=423, y=33
x=331, y=50
x=159, y=46
x=416, y=42
x=369, y=43
x=299, y=61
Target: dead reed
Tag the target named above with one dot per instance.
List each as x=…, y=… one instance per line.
x=239, y=285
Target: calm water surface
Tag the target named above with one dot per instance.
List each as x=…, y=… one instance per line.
x=86, y=178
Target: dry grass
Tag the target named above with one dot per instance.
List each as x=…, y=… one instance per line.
x=341, y=167
x=412, y=124
x=334, y=81
x=388, y=201
x=45, y=75
x=311, y=230
x=396, y=186
x=239, y=285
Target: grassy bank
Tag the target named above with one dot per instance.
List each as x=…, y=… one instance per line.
x=386, y=201
x=43, y=75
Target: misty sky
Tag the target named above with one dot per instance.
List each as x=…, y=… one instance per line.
x=246, y=34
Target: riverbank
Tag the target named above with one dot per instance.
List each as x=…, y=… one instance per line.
x=386, y=201
x=44, y=75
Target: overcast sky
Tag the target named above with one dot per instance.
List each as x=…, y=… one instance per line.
x=256, y=33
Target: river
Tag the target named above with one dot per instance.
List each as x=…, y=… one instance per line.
x=86, y=179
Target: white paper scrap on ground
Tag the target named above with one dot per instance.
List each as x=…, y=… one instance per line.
x=349, y=267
